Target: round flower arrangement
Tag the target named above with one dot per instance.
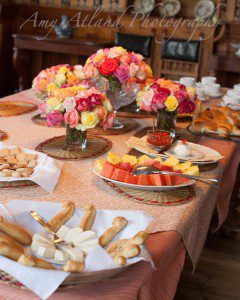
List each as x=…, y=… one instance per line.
x=117, y=65
x=167, y=98
x=60, y=76
x=79, y=108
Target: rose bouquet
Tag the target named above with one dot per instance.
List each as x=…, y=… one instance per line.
x=167, y=98
x=79, y=108
x=119, y=74
x=60, y=76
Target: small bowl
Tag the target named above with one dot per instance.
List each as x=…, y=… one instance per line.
x=156, y=139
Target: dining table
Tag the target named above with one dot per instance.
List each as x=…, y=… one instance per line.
x=175, y=232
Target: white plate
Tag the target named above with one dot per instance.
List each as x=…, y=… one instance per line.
x=144, y=187
x=195, y=152
x=206, y=150
x=214, y=95
x=203, y=99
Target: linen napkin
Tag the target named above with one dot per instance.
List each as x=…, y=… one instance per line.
x=46, y=173
x=44, y=282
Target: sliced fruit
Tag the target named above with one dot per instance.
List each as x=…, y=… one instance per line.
x=99, y=164
x=194, y=170
x=171, y=161
x=148, y=162
x=130, y=158
x=131, y=179
x=144, y=180
x=183, y=166
x=157, y=179
x=142, y=158
x=169, y=179
x=180, y=180
x=158, y=159
x=119, y=175
x=125, y=166
x=114, y=158
x=107, y=170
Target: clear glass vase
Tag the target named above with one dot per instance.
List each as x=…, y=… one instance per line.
x=76, y=138
x=166, y=120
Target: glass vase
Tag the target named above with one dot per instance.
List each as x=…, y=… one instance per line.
x=76, y=138
x=166, y=120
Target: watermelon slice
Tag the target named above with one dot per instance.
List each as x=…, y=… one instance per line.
x=157, y=179
x=131, y=179
x=169, y=179
x=144, y=180
x=108, y=170
x=180, y=180
x=119, y=175
x=125, y=166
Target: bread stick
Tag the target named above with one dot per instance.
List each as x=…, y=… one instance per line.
x=11, y=241
x=74, y=266
x=88, y=217
x=118, y=224
x=9, y=251
x=31, y=261
x=15, y=232
x=60, y=219
x=119, y=260
x=139, y=239
x=127, y=251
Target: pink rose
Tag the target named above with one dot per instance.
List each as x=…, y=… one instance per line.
x=43, y=107
x=122, y=73
x=71, y=117
x=186, y=107
x=69, y=103
x=160, y=90
x=90, y=70
x=181, y=86
x=54, y=118
x=133, y=69
x=83, y=104
x=108, y=121
x=158, y=101
x=65, y=85
x=181, y=95
x=96, y=99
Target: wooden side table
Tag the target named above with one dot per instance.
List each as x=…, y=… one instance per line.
x=25, y=44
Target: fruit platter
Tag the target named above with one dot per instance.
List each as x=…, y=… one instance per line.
x=118, y=169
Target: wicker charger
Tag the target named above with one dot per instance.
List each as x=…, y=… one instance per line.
x=56, y=148
x=162, y=198
x=16, y=184
x=14, y=108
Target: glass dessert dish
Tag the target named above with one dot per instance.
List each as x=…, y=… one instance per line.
x=160, y=139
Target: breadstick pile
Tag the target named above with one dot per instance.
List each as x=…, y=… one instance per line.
x=16, y=163
x=82, y=240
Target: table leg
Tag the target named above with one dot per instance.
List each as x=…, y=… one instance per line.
x=21, y=62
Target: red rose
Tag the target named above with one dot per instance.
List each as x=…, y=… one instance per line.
x=160, y=90
x=108, y=67
x=96, y=99
x=83, y=104
x=186, y=107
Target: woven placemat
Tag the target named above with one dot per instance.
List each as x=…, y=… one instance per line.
x=15, y=108
x=16, y=184
x=128, y=125
x=176, y=196
x=56, y=148
x=3, y=135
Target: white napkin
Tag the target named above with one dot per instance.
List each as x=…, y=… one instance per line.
x=44, y=282
x=46, y=173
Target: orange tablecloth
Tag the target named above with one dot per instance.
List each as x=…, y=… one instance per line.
x=166, y=248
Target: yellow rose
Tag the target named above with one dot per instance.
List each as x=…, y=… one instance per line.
x=171, y=103
x=99, y=57
x=51, y=87
x=62, y=70
x=107, y=104
x=191, y=90
x=53, y=104
x=88, y=120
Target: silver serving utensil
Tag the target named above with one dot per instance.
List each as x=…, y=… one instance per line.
x=56, y=240
x=147, y=170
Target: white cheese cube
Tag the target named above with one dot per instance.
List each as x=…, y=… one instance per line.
x=35, y=245
x=73, y=253
x=84, y=236
x=62, y=231
x=39, y=237
x=72, y=234
x=61, y=255
x=46, y=252
x=86, y=249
